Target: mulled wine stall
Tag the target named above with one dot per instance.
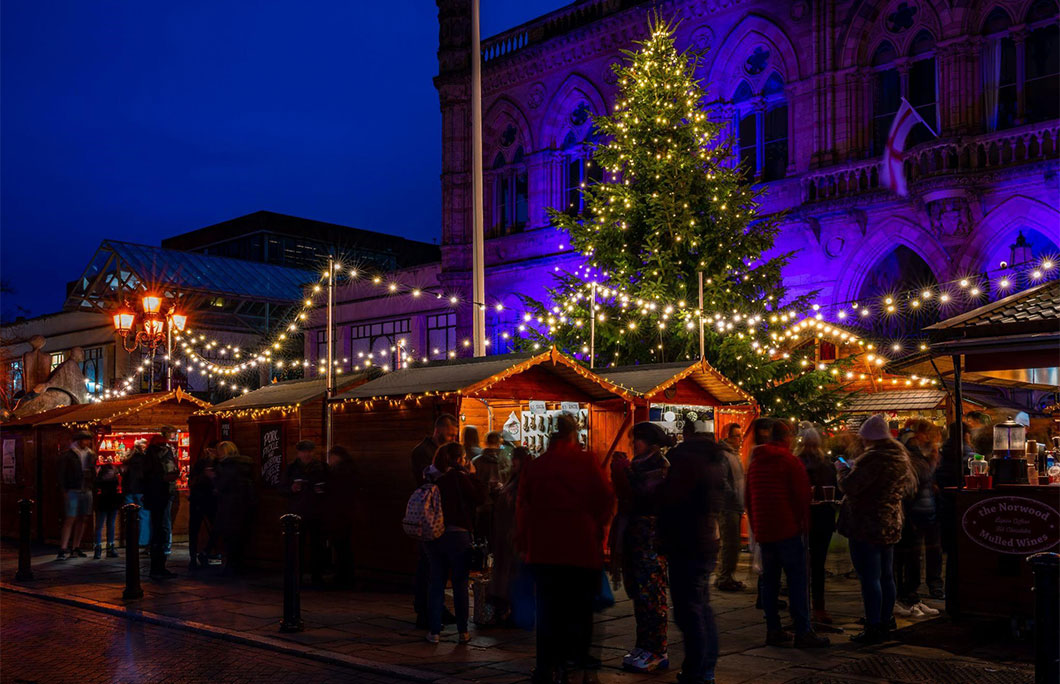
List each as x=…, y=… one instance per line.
x=382, y=421
x=1008, y=512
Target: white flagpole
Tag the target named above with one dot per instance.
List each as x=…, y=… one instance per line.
x=592, y=328
x=330, y=389
x=478, y=285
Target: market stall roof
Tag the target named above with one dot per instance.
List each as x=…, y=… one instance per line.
x=895, y=400
x=1033, y=313
x=112, y=410
x=1010, y=343
x=469, y=377
x=289, y=393
x=649, y=380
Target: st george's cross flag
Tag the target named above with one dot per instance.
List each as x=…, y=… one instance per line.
x=892, y=175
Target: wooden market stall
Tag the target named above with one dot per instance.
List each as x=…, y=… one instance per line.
x=382, y=421
x=35, y=442
x=670, y=393
x=1011, y=343
x=899, y=406
x=266, y=424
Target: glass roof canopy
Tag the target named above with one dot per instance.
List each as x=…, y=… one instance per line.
x=223, y=291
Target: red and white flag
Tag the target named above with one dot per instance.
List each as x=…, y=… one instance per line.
x=892, y=175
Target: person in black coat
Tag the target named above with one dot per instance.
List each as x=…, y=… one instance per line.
x=236, y=504
x=77, y=470
x=339, y=492
x=157, y=478
x=689, y=500
x=202, y=506
x=107, y=502
x=304, y=483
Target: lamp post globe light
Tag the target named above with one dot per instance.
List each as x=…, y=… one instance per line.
x=153, y=330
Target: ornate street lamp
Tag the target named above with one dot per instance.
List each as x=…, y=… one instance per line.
x=153, y=331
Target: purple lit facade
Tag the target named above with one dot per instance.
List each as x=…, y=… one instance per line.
x=809, y=91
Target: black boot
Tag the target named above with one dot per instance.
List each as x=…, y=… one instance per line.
x=97, y=553
x=111, y=552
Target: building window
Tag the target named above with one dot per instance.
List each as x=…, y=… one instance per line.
x=1021, y=70
x=762, y=130
x=579, y=172
x=1042, y=84
x=13, y=383
x=886, y=94
x=441, y=335
x=379, y=344
x=923, y=93
x=57, y=359
x=510, y=194
x=92, y=367
x=321, y=348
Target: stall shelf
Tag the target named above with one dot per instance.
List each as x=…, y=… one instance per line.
x=35, y=443
x=382, y=421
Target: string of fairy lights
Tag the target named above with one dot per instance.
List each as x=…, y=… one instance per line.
x=625, y=306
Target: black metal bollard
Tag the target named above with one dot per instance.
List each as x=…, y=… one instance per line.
x=25, y=525
x=292, y=575
x=1046, y=625
x=130, y=513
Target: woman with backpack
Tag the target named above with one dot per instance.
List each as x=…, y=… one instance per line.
x=450, y=554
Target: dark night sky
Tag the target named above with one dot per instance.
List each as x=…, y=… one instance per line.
x=139, y=120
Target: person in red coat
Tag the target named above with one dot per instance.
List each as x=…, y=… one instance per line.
x=564, y=505
x=778, y=510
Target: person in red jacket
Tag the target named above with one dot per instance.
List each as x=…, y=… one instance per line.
x=778, y=510
x=564, y=505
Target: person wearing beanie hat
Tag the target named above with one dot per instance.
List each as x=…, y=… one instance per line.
x=635, y=544
x=871, y=517
x=875, y=429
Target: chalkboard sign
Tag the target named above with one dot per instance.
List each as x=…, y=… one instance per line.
x=271, y=454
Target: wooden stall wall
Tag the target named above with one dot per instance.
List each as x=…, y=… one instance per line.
x=21, y=483
x=381, y=441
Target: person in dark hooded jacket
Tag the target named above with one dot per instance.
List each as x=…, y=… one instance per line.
x=304, y=481
x=339, y=493
x=157, y=478
x=236, y=504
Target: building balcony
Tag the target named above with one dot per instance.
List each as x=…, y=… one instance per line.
x=938, y=159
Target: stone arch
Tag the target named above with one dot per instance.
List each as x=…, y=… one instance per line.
x=865, y=24
x=726, y=69
x=502, y=113
x=574, y=90
x=1002, y=225
x=879, y=243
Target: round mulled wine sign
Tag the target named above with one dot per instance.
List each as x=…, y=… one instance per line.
x=1012, y=524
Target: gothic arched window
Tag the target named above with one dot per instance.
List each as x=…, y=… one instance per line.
x=579, y=171
x=999, y=71
x=762, y=129
x=510, y=194
x=886, y=94
x=1021, y=68
x=923, y=94
x=1042, y=63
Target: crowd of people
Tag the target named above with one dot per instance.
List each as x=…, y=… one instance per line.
x=221, y=500
x=668, y=517
x=554, y=533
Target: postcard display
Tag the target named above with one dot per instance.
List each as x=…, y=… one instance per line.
x=533, y=426
x=672, y=417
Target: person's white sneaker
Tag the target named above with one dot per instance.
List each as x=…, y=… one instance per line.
x=632, y=657
x=926, y=610
x=433, y=638
x=902, y=610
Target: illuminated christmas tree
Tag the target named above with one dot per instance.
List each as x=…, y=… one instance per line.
x=672, y=206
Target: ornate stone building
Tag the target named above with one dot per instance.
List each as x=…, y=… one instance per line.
x=809, y=90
